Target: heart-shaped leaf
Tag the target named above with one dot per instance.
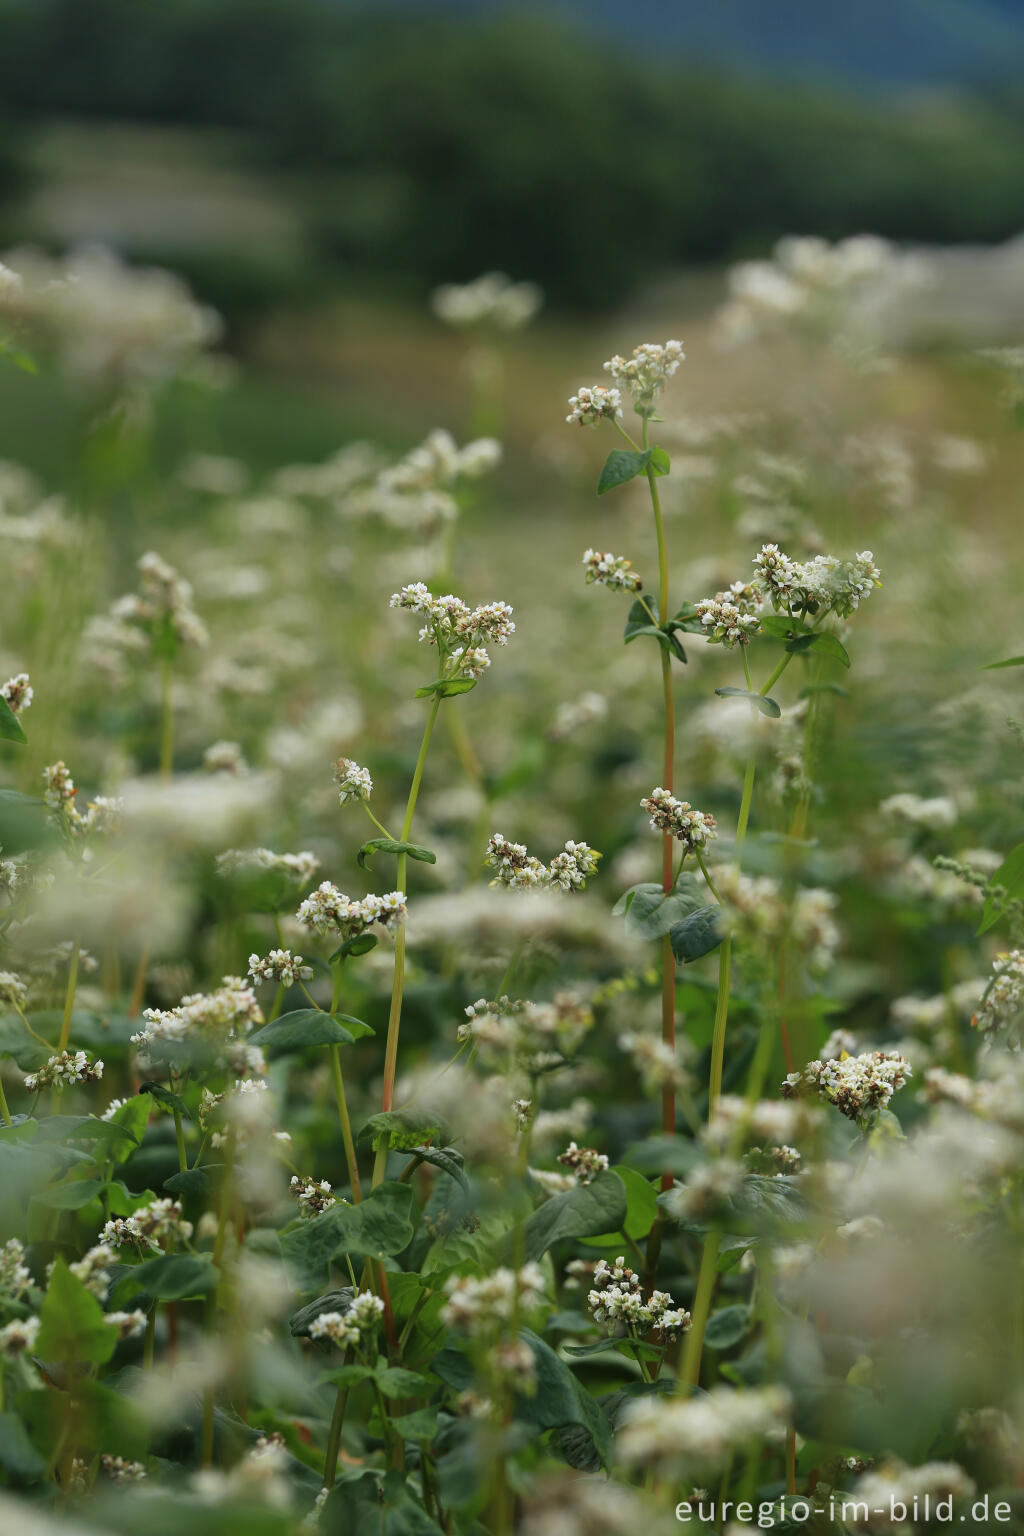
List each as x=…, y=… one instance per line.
x=309, y=1026
x=622, y=465
x=698, y=934
x=765, y=705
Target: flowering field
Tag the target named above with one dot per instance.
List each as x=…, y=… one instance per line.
x=509, y=1007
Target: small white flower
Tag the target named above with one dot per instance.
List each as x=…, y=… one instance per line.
x=612, y=571
x=593, y=404
x=354, y=783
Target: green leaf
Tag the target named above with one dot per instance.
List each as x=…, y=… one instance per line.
x=560, y=1399
x=781, y=626
x=309, y=1026
x=631, y=1348
x=582, y=1212
x=393, y=845
x=650, y=912
x=419, y=1425
x=174, y=1277
x=823, y=643
x=24, y=823
x=405, y=1130
x=448, y=1159
x=18, y=1456
x=1010, y=875
x=72, y=1326
x=641, y=1209
x=447, y=687
x=765, y=705
x=164, y=1096
x=330, y=1301
x=622, y=465
x=727, y=1326
x=379, y=1227
x=996, y=666
x=697, y=934
x=396, y=1381
x=10, y=729
x=639, y=622
x=82, y=1128
x=190, y=1181
x=70, y=1197
x=360, y=945
x=660, y=461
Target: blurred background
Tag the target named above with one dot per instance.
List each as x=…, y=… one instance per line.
x=306, y=152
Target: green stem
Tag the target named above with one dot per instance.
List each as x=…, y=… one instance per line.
x=334, y=1437
x=668, y=962
x=345, y=1122
x=378, y=824
x=69, y=998
x=3, y=1104
x=210, y=1320
x=395, y=1014
x=166, y=722
x=179, y=1136
x=783, y=664
x=689, y=1375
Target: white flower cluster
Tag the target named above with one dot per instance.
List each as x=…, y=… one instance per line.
x=280, y=965
x=59, y=793
x=14, y=1272
x=574, y=713
x=527, y=1030
x=299, y=868
x=585, y=1162
x=121, y=1471
x=225, y=757
x=518, y=869
x=679, y=819
x=126, y=1232
x=354, y=782
x=214, y=1018
x=17, y=692
x=161, y=608
x=328, y=910
x=700, y=1434
x=655, y=1060
x=772, y=1121
x=594, y=403
x=731, y=617
x=1003, y=1002
x=824, y=584
x=12, y=989
x=460, y=633
x=64, y=1070
x=616, y=1301
x=314, y=1196
x=885, y=1488
x=759, y=910
x=162, y=1218
x=644, y=373
x=612, y=571
x=19, y=1337
x=935, y=812
x=354, y=1327
x=854, y=1084
x=483, y=1305
x=108, y=321
x=93, y=1268
x=492, y=299
x=814, y=286
x=129, y=1325
x=439, y=462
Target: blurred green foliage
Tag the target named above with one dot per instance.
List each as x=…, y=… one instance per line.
x=428, y=148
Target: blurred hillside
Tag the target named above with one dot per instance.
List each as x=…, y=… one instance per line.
x=878, y=42
x=294, y=149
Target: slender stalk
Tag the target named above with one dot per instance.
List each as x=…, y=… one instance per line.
x=3, y=1104
x=206, y=1441
x=689, y=1375
x=166, y=722
x=69, y=998
x=179, y=1136
x=668, y=962
x=395, y=1014
x=334, y=1437
x=345, y=1122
